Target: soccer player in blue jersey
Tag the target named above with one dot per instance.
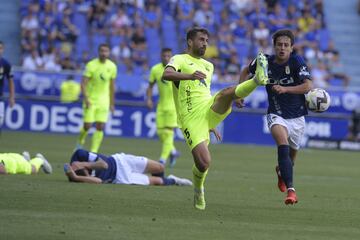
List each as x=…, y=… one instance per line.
x=119, y=168
x=5, y=74
x=289, y=80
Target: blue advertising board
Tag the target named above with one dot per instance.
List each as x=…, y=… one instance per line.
x=133, y=121
x=131, y=87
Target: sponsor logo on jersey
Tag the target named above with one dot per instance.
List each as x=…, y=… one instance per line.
x=287, y=70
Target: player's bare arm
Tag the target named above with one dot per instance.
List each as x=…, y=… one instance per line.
x=112, y=95
x=84, y=82
x=149, y=94
x=299, y=89
x=171, y=75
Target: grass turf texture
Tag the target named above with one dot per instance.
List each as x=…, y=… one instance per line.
x=243, y=201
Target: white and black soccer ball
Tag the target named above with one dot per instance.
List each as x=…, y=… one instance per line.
x=317, y=100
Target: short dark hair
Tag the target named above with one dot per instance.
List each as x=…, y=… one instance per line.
x=1, y=42
x=284, y=32
x=166, y=50
x=193, y=31
x=104, y=45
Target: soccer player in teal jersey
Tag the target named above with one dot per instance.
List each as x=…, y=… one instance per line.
x=198, y=111
x=166, y=119
x=98, y=87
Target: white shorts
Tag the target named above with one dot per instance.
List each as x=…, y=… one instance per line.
x=294, y=126
x=2, y=113
x=130, y=169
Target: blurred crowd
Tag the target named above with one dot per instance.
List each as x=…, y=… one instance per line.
x=63, y=35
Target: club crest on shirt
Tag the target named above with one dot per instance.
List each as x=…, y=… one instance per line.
x=304, y=71
x=287, y=70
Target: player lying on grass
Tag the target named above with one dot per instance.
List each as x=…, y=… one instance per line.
x=119, y=168
x=14, y=163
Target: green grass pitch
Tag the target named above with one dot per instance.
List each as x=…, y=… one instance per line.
x=242, y=199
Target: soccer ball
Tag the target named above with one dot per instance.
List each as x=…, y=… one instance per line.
x=317, y=100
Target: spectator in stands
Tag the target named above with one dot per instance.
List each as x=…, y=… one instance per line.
x=265, y=47
x=320, y=75
x=152, y=15
x=28, y=43
x=67, y=31
x=261, y=32
x=67, y=63
x=204, y=16
x=292, y=16
x=212, y=50
x=33, y=61
x=51, y=60
x=122, y=54
x=119, y=22
x=185, y=14
x=138, y=39
x=337, y=70
x=97, y=16
x=232, y=69
x=305, y=21
x=278, y=18
x=240, y=30
x=48, y=31
x=30, y=22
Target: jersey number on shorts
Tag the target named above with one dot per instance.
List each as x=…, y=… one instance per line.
x=187, y=135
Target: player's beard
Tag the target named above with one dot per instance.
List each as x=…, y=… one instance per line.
x=200, y=51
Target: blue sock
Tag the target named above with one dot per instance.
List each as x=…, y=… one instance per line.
x=285, y=165
x=168, y=181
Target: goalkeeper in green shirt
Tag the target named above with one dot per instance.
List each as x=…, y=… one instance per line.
x=166, y=119
x=98, y=88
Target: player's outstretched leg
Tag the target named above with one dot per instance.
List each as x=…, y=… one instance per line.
x=261, y=78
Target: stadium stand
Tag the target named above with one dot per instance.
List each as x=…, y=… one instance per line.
x=66, y=33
